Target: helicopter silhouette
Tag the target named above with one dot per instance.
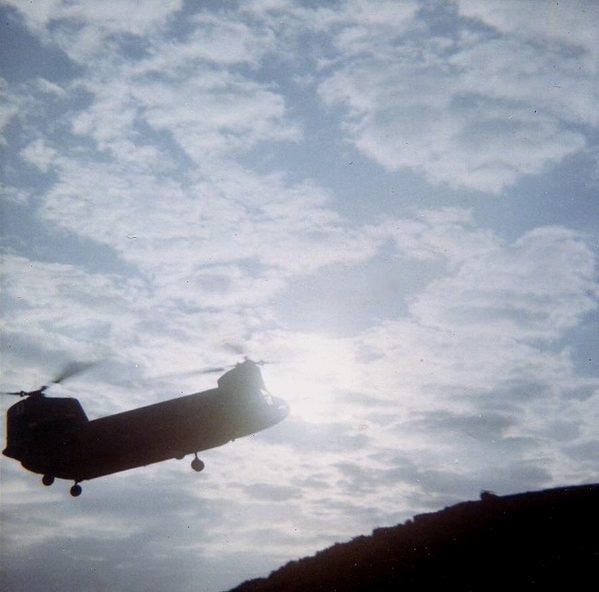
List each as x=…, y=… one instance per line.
x=53, y=436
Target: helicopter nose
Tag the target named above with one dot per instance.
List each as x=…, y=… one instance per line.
x=282, y=407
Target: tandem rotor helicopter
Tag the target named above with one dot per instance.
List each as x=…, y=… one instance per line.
x=53, y=436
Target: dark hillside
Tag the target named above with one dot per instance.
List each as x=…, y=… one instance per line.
x=539, y=540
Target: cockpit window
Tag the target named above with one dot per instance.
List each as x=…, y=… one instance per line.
x=266, y=396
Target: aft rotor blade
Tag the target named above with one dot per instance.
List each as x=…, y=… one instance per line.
x=39, y=391
x=71, y=369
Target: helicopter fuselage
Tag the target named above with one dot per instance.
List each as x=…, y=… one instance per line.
x=53, y=437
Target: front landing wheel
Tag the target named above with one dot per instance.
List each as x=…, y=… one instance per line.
x=197, y=465
x=76, y=490
x=47, y=480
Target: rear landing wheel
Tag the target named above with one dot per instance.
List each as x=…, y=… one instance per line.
x=76, y=490
x=47, y=480
x=197, y=464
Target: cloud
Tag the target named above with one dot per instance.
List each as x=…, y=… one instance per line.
x=210, y=223
x=573, y=28
x=467, y=109
x=272, y=493
x=208, y=112
x=38, y=154
x=127, y=17
x=491, y=311
x=538, y=288
x=8, y=110
x=115, y=531
x=156, y=99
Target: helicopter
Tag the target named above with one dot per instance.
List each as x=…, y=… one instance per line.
x=53, y=436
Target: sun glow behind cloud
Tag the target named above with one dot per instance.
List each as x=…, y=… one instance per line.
x=317, y=368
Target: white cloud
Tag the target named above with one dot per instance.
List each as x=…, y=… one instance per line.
x=60, y=310
x=447, y=234
x=482, y=323
x=464, y=108
x=215, y=114
x=472, y=112
x=539, y=287
x=573, y=24
x=8, y=110
x=178, y=87
x=231, y=215
x=128, y=16
x=39, y=154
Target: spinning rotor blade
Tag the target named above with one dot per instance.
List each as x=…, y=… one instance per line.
x=225, y=368
x=209, y=370
x=212, y=370
x=72, y=369
x=193, y=372
x=39, y=391
x=236, y=348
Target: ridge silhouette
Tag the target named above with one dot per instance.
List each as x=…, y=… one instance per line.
x=535, y=540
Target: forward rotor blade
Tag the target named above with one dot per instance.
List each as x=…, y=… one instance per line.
x=185, y=373
x=236, y=348
x=213, y=370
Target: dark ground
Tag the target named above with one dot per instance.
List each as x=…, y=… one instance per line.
x=536, y=540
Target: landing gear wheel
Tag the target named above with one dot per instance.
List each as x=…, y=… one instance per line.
x=47, y=480
x=76, y=490
x=197, y=465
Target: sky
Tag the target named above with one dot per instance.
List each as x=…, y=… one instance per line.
x=394, y=204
